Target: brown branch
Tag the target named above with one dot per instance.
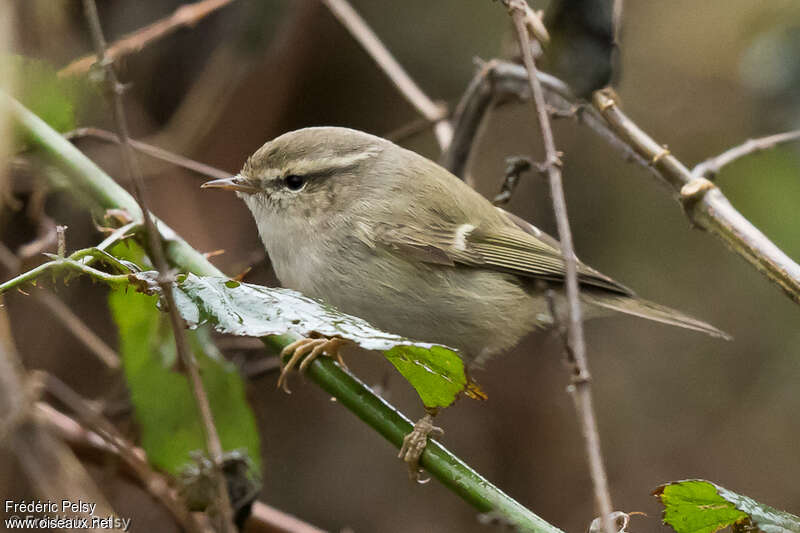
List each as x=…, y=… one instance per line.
x=156, y=252
x=150, y=150
x=711, y=167
x=362, y=33
x=185, y=16
x=705, y=204
x=576, y=346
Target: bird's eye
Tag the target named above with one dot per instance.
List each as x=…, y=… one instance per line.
x=294, y=182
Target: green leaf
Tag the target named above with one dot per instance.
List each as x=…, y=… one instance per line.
x=436, y=372
x=164, y=405
x=699, y=506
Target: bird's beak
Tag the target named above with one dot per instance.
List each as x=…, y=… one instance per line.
x=235, y=183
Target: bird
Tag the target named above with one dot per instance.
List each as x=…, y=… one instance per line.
x=385, y=234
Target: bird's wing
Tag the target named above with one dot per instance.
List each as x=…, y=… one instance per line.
x=506, y=249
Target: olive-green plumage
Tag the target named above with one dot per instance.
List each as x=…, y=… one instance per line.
x=385, y=234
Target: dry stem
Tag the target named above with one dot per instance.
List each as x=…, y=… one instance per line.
x=156, y=252
x=576, y=346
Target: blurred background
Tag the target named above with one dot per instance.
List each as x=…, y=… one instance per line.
x=698, y=76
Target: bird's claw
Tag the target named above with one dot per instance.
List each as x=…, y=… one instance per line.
x=414, y=444
x=305, y=351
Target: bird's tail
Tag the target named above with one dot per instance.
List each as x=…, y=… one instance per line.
x=653, y=311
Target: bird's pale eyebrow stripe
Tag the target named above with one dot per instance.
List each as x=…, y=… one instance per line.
x=328, y=164
x=460, y=236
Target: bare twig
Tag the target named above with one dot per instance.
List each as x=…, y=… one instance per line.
x=581, y=379
x=705, y=205
x=152, y=151
x=711, y=167
x=156, y=252
x=185, y=16
x=359, y=29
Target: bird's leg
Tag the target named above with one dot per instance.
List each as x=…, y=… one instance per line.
x=313, y=348
x=414, y=443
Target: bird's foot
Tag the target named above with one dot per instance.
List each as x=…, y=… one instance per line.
x=414, y=444
x=308, y=349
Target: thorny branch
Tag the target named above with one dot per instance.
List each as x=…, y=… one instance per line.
x=156, y=252
x=576, y=346
x=359, y=29
x=185, y=15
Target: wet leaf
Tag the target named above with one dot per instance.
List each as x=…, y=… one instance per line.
x=699, y=506
x=436, y=372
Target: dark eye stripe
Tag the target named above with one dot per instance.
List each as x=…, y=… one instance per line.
x=296, y=182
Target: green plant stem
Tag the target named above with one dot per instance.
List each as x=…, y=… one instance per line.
x=31, y=275
x=437, y=460
x=86, y=178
